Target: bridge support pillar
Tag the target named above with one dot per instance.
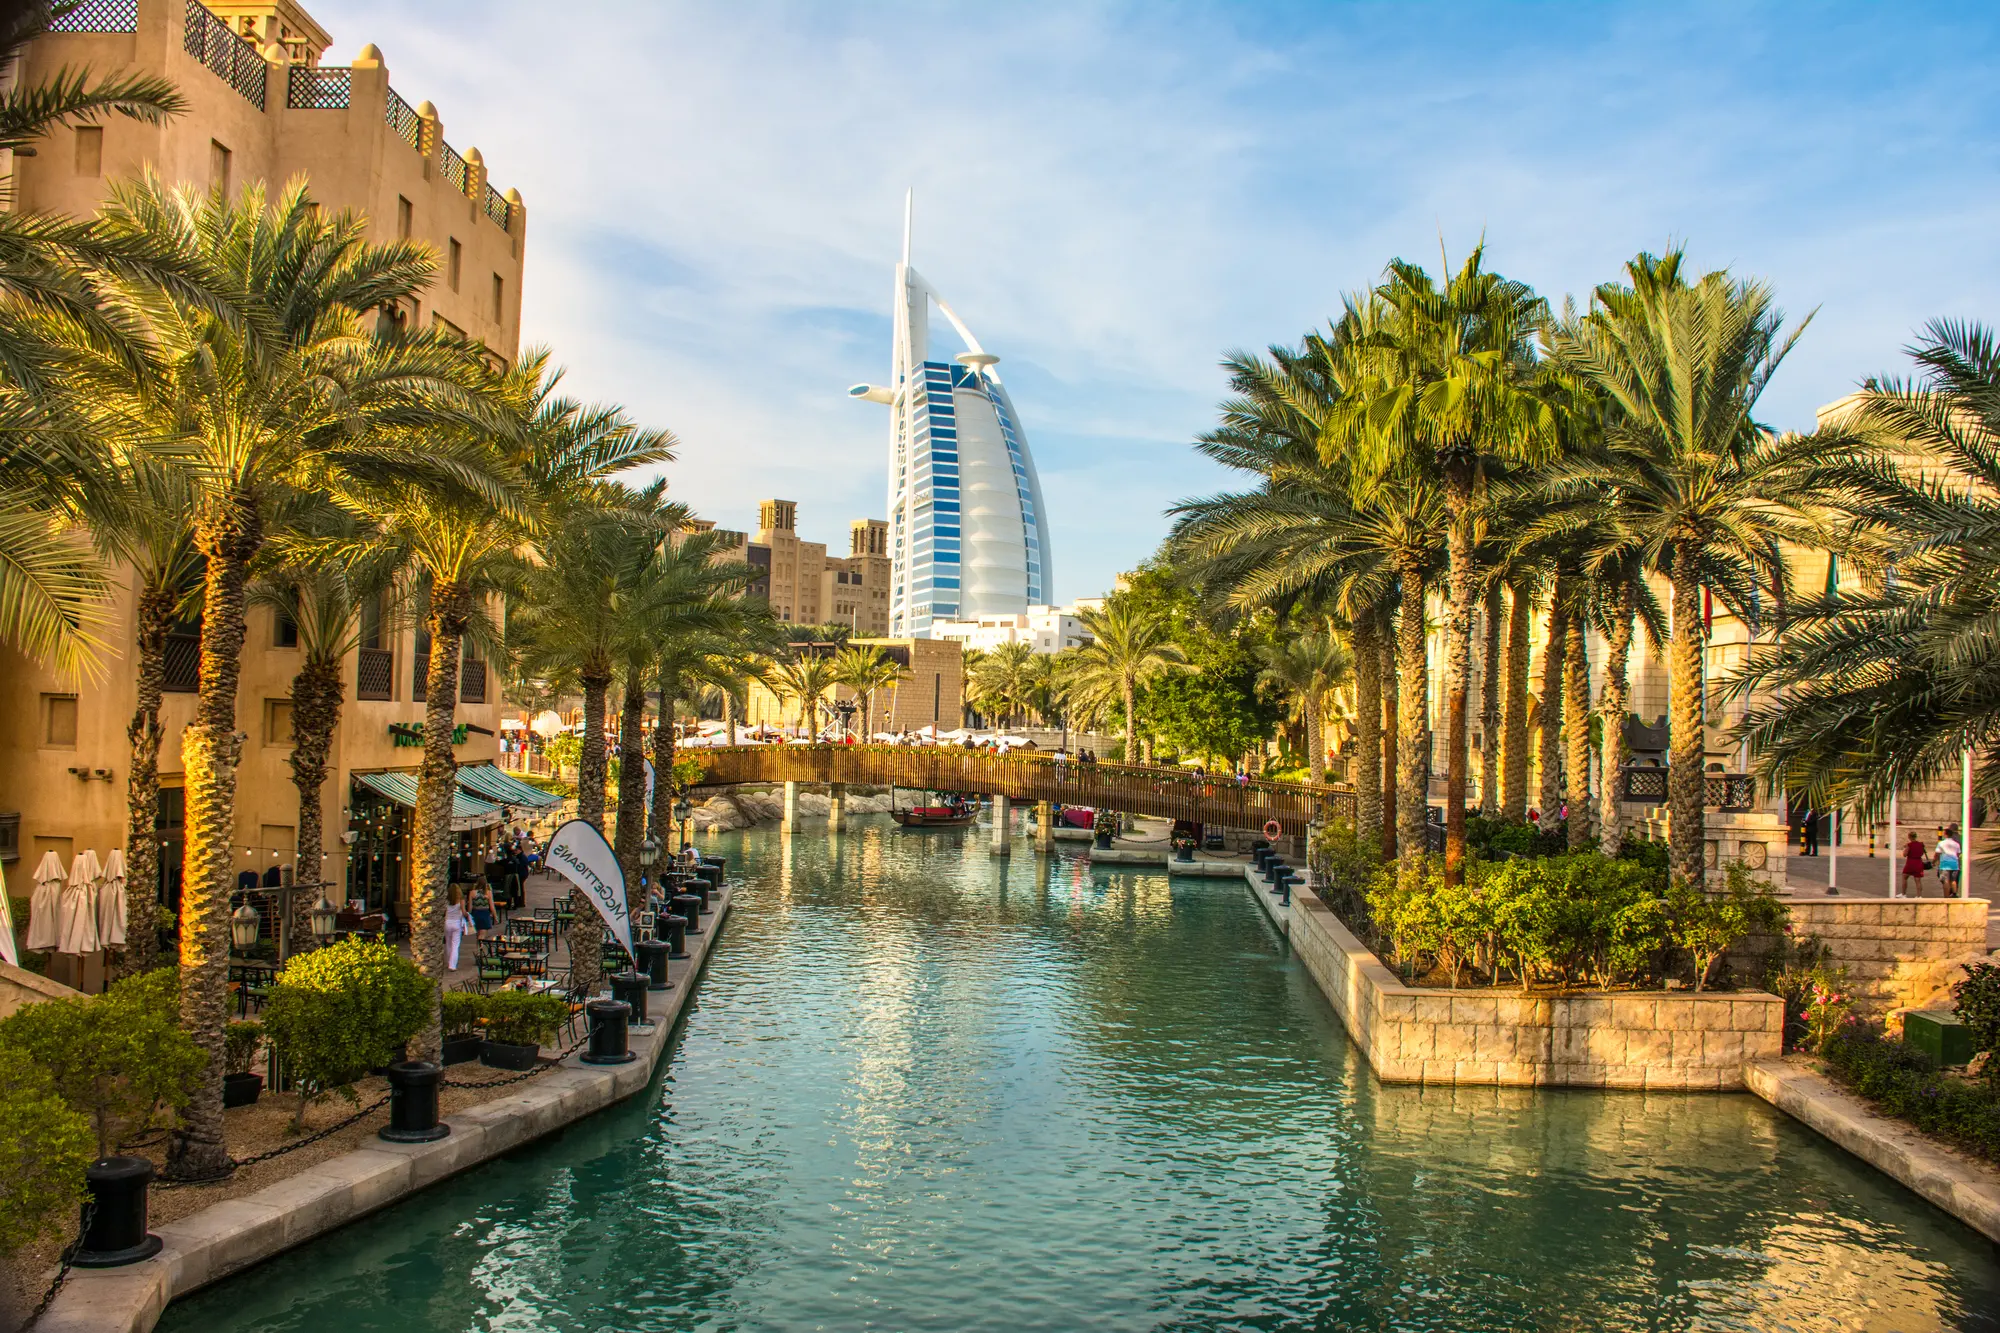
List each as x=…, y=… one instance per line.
x=1045, y=826
x=1002, y=816
x=836, y=805
x=791, y=806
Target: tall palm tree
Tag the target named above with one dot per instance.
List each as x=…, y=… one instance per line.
x=1128, y=647
x=692, y=662
x=865, y=670
x=1711, y=496
x=288, y=389
x=1891, y=684
x=1002, y=682
x=804, y=677
x=1307, y=669
x=322, y=595
x=1448, y=383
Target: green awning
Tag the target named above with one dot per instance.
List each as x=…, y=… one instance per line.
x=467, y=812
x=492, y=784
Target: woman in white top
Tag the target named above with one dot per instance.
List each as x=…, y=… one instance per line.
x=456, y=923
x=1948, y=852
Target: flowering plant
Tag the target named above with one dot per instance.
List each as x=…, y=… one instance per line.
x=1826, y=1009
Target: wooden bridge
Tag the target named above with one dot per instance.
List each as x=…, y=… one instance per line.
x=1030, y=776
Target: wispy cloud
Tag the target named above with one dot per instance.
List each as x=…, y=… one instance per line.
x=1113, y=195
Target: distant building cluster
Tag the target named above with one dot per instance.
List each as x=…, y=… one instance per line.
x=805, y=585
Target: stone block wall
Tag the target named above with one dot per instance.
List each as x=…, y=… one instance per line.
x=1900, y=953
x=1661, y=1040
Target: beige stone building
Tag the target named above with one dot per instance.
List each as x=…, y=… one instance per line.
x=929, y=693
x=263, y=104
x=806, y=586
x=854, y=589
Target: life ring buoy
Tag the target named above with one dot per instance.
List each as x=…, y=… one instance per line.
x=1272, y=828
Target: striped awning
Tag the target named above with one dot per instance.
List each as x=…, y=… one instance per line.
x=467, y=812
x=491, y=784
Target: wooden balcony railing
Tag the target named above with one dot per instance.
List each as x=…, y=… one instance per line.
x=1164, y=792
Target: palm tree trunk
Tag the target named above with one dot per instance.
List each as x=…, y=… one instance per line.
x=1316, y=737
x=632, y=785
x=1489, y=707
x=662, y=814
x=316, y=699
x=227, y=535
x=1392, y=710
x=142, y=792
x=1367, y=734
x=437, y=782
x=1514, y=706
x=1412, y=763
x=1462, y=596
x=586, y=948
x=1550, y=750
x=1688, y=741
x=1129, y=693
x=1576, y=730
x=1611, y=709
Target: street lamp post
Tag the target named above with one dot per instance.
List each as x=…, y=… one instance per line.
x=845, y=708
x=683, y=811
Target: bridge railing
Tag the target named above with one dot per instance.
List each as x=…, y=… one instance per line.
x=1164, y=792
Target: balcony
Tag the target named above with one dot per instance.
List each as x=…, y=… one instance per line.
x=375, y=674
x=1728, y=793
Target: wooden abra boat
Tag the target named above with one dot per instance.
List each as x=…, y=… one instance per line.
x=955, y=812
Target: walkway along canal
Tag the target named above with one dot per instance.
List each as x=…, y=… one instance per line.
x=927, y=1088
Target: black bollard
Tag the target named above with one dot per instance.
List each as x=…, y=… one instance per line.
x=1271, y=868
x=721, y=864
x=711, y=876
x=117, y=1212
x=607, y=1033
x=1259, y=855
x=675, y=928
x=688, y=906
x=653, y=962
x=699, y=888
x=630, y=988
x=413, y=1103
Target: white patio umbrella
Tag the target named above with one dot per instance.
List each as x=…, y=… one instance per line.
x=111, y=901
x=8, y=953
x=42, y=908
x=77, y=910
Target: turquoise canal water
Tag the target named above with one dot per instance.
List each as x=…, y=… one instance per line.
x=927, y=1089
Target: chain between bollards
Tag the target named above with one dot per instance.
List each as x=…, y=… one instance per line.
x=69, y=1253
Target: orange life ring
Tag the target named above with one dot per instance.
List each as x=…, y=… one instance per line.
x=1272, y=828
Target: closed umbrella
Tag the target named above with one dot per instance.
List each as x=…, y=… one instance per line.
x=77, y=910
x=42, y=908
x=111, y=901
x=7, y=951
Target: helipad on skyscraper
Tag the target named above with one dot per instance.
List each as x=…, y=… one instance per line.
x=967, y=534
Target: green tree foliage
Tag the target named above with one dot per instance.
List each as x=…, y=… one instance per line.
x=522, y=1018
x=45, y=1144
x=337, y=1012
x=115, y=1057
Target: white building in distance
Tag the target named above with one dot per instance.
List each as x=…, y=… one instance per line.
x=1045, y=629
x=967, y=528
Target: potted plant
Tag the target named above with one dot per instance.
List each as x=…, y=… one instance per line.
x=517, y=1025
x=1183, y=844
x=1103, y=827
x=463, y=1014
x=240, y=1087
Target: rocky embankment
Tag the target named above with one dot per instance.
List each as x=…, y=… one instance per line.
x=742, y=808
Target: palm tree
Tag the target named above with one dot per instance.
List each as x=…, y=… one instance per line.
x=691, y=662
x=323, y=597
x=1129, y=647
x=294, y=394
x=1891, y=685
x=1447, y=384
x=1002, y=682
x=804, y=677
x=1710, y=496
x=864, y=670
x=1307, y=668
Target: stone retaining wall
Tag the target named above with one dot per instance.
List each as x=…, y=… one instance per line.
x=1651, y=1039
x=1900, y=953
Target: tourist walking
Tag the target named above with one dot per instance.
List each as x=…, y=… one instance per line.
x=1916, y=860
x=455, y=923
x=1948, y=853
x=1811, y=833
x=479, y=902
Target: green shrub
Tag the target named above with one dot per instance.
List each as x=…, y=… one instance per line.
x=1802, y=974
x=1978, y=998
x=1705, y=926
x=1905, y=1083
x=522, y=1018
x=337, y=1012
x=45, y=1144
x=115, y=1057
x=1645, y=852
x=239, y=1046
x=462, y=1012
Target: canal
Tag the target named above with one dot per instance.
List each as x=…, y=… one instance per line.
x=924, y=1088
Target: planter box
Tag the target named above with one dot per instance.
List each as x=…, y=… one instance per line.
x=241, y=1089
x=506, y=1055
x=461, y=1048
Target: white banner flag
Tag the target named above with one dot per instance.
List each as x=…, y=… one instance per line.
x=579, y=853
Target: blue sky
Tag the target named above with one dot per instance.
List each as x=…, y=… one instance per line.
x=1113, y=195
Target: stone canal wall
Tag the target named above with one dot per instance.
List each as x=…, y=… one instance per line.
x=1900, y=953
x=1659, y=1040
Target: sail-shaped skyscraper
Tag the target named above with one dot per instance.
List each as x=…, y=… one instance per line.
x=967, y=529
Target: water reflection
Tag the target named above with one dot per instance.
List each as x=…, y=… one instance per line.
x=927, y=1088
